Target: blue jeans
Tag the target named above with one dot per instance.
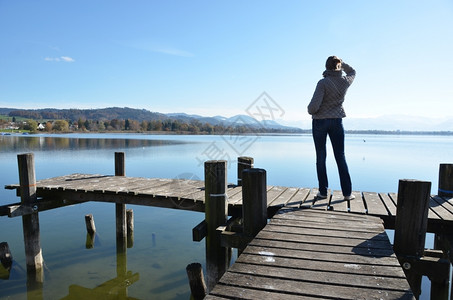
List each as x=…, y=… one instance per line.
x=334, y=128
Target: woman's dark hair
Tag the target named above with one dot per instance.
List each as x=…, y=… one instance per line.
x=333, y=63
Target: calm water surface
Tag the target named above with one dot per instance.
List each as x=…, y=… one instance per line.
x=163, y=243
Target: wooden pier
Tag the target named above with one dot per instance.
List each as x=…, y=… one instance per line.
x=190, y=195
x=318, y=247
x=309, y=254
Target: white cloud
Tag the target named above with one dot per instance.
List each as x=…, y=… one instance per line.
x=59, y=59
x=67, y=59
x=172, y=51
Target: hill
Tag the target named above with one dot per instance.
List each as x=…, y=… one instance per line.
x=140, y=115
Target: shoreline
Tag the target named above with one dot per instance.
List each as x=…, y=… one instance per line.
x=304, y=132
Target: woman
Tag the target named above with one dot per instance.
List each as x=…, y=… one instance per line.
x=326, y=108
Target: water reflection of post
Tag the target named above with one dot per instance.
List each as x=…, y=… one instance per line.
x=30, y=223
x=121, y=269
x=6, y=261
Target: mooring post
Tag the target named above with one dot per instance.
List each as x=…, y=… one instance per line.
x=33, y=252
x=244, y=162
x=445, y=180
x=254, y=202
x=196, y=281
x=89, y=222
x=91, y=231
x=216, y=214
x=120, y=209
x=410, y=227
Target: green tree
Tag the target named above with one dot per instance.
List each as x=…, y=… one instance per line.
x=31, y=125
x=61, y=125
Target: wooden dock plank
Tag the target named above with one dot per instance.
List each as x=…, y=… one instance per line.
x=298, y=198
x=285, y=269
x=360, y=220
x=274, y=193
x=439, y=209
x=337, y=202
x=357, y=205
x=314, y=202
x=235, y=195
x=303, y=288
x=233, y=292
x=373, y=204
x=268, y=240
x=310, y=199
x=390, y=200
x=447, y=201
x=302, y=258
x=285, y=196
x=296, y=258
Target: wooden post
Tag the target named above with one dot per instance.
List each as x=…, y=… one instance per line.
x=130, y=227
x=196, y=281
x=120, y=208
x=91, y=231
x=89, y=222
x=445, y=180
x=410, y=226
x=30, y=223
x=216, y=214
x=254, y=202
x=244, y=163
x=121, y=228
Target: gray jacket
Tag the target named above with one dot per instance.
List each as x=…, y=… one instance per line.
x=328, y=98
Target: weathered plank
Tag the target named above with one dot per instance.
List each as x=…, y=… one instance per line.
x=310, y=200
x=300, y=253
x=357, y=205
x=337, y=202
x=298, y=198
x=310, y=288
x=285, y=196
x=232, y=292
x=285, y=269
x=373, y=204
x=439, y=208
x=324, y=260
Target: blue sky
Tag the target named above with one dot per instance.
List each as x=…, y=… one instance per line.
x=217, y=57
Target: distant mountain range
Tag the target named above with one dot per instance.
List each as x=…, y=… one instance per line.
x=381, y=123
x=124, y=113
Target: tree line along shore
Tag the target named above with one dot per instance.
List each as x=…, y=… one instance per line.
x=130, y=125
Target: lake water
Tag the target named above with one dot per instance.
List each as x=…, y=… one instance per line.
x=163, y=244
